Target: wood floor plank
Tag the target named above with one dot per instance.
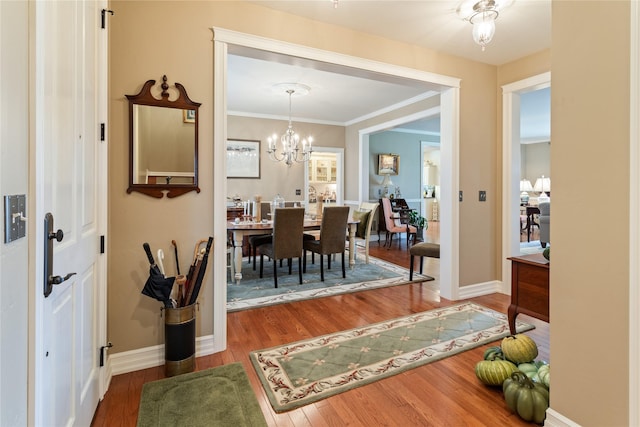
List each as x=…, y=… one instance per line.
x=442, y=393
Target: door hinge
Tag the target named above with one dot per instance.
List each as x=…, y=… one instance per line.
x=102, y=349
x=104, y=12
x=101, y=131
x=101, y=244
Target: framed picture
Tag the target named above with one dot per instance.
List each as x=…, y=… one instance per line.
x=243, y=158
x=188, y=116
x=388, y=164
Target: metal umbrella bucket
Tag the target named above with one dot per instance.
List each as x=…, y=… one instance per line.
x=179, y=340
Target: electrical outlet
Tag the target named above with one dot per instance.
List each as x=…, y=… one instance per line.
x=460, y=196
x=483, y=196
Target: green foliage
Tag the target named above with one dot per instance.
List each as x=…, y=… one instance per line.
x=417, y=220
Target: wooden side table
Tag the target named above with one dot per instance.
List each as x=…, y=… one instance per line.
x=529, y=288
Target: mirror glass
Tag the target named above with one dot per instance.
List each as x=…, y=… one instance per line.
x=163, y=142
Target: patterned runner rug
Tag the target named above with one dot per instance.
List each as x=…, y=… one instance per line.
x=306, y=371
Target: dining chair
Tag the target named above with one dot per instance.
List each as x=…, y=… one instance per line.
x=288, y=225
x=332, y=237
x=366, y=214
x=394, y=224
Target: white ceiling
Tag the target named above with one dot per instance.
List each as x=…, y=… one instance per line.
x=339, y=95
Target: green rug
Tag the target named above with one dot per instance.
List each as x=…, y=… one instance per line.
x=254, y=292
x=219, y=396
x=306, y=371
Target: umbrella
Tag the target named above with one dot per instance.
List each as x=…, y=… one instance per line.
x=157, y=286
x=200, y=276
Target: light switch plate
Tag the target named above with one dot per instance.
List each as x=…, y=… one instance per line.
x=15, y=212
x=482, y=196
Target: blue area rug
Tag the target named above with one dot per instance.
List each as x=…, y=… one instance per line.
x=254, y=292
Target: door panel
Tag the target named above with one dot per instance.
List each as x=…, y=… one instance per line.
x=67, y=180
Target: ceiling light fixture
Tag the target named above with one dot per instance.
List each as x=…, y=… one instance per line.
x=290, y=140
x=482, y=15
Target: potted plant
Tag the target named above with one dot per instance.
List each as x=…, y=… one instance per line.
x=419, y=222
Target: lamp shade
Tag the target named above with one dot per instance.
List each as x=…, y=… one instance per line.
x=525, y=185
x=542, y=184
x=484, y=27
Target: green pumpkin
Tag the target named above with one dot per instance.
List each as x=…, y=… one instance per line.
x=519, y=348
x=493, y=353
x=526, y=398
x=547, y=253
x=494, y=372
x=544, y=375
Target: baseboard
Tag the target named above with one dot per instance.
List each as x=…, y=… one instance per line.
x=149, y=357
x=554, y=419
x=480, y=289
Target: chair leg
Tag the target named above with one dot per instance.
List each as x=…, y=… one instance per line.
x=254, y=257
x=261, y=261
x=344, y=273
x=300, y=270
x=421, y=263
x=304, y=261
x=289, y=261
x=411, y=268
x=275, y=272
x=321, y=268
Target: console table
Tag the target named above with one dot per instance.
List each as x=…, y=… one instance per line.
x=529, y=288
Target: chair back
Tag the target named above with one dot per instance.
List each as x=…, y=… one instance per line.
x=288, y=227
x=334, y=229
x=373, y=209
x=388, y=213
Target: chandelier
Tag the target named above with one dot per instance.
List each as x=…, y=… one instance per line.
x=293, y=148
x=482, y=15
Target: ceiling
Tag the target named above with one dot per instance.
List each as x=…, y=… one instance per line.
x=340, y=95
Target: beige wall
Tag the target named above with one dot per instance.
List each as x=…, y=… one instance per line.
x=276, y=176
x=589, y=280
x=149, y=39
x=590, y=259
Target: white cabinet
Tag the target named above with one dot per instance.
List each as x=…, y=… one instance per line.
x=322, y=170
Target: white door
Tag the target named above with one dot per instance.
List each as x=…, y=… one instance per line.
x=68, y=87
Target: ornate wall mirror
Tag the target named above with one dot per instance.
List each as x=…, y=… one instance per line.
x=163, y=142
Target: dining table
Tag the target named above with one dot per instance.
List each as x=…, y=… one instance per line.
x=239, y=229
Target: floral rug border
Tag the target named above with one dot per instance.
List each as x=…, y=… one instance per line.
x=285, y=395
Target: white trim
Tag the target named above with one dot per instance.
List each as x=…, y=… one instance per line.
x=480, y=289
x=450, y=120
x=511, y=168
x=150, y=357
x=219, y=195
x=555, y=419
x=634, y=217
x=233, y=37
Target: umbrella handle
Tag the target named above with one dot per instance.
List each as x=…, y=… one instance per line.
x=147, y=249
x=160, y=259
x=197, y=249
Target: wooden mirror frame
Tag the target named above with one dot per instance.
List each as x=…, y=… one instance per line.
x=183, y=102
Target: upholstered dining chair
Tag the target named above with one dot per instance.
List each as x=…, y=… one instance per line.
x=332, y=237
x=394, y=225
x=366, y=213
x=288, y=225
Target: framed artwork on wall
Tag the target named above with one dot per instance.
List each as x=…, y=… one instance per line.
x=243, y=158
x=388, y=164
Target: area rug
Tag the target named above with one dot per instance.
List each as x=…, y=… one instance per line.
x=220, y=396
x=306, y=371
x=254, y=292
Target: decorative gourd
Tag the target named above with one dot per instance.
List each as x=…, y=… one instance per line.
x=533, y=370
x=519, y=348
x=544, y=375
x=547, y=253
x=526, y=398
x=493, y=353
x=494, y=372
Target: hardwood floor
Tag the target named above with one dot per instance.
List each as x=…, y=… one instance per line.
x=442, y=393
